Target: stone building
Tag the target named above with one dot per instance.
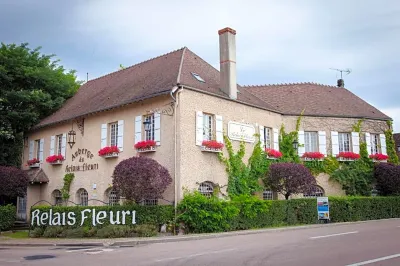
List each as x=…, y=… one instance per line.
x=179, y=100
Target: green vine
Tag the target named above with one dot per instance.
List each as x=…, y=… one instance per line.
x=67, y=185
x=286, y=142
x=390, y=145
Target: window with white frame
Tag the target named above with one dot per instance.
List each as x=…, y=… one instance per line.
x=149, y=134
x=38, y=148
x=398, y=148
x=57, y=196
x=374, y=143
x=311, y=141
x=268, y=195
x=315, y=192
x=208, y=127
x=344, y=142
x=83, y=197
x=267, y=137
x=206, y=189
x=58, y=144
x=113, y=134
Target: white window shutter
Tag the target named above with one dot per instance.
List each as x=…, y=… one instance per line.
x=355, y=141
x=41, y=150
x=368, y=142
x=302, y=148
x=322, y=142
x=335, y=143
x=31, y=148
x=103, y=135
x=52, y=144
x=64, y=144
x=157, y=128
x=199, y=128
x=138, y=129
x=276, y=139
x=120, y=137
x=219, y=128
x=262, y=137
x=383, y=143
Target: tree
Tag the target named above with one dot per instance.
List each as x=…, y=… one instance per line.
x=32, y=86
x=13, y=183
x=289, y=178
x=140, y=178
x=387, y=179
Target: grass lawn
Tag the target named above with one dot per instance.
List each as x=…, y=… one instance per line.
x=17, y=235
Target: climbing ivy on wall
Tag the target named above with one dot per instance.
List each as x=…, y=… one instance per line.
x=390, y=145
x=286, y=142
x=67, y=185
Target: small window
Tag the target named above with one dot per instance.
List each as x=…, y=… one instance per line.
x=206, y=189
x=150, y=202
x=57, y=196
x=197, y=76
x=344, y=142
x=208, y=127
x=398, y=148
x=267, y=137
x=83, y=197
x=374, y=143
x=149, y=134
x=38, y=148
x=315, y=192
x=58, y=144
x=113, y=197
x=113, y=134
x=268, y=195
x=311, y=141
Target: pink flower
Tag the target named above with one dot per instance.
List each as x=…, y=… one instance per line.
x=273, y=153
x=379, y=156
x=108, y=150
x=33, y=161
x=55, y=158
x=145, y=144
x=212, y=144
x=313, y=155
x=348, y=155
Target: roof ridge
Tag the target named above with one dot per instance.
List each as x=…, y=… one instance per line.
x=178, y=79
x=145, y=61
x=290, y=84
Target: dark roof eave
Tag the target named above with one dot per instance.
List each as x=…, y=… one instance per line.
x=341, y=116
x=103, y=110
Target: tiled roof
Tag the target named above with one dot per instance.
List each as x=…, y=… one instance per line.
x=37, y=175
x=157, y=76
x=316, y=100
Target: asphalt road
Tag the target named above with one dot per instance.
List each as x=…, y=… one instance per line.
x=372, y=243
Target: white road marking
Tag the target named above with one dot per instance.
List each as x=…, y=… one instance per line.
x=346, y=233
x=375, y=260
x=80, y=250
x=196, y=255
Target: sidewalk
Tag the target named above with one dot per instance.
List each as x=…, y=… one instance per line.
x=125, y=242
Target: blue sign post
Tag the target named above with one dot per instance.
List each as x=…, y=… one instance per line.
x=323, y=208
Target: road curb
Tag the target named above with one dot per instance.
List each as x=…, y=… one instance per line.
x=134, y=242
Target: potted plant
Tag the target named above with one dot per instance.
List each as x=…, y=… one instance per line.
x=55, y=159
x=379, y=157
x=145, y=146
x=109, y=152
x=211, y=146
x=34, y=163
x=312, y=156
x=273, y=154
x=348, y=156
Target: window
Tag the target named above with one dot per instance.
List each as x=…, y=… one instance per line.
x=316, y=191
x=150, y=202
x=113, y=197
x=149, y=135
x=82, y=197
x=58, y=144
x=197, y=76
x=57, y=197
x=38, y=148
x=208, y=127
x=398, y=148
x=311, y=141
x=267, y=137
x=114, y=134
x=374, y=143
x=206, y=189
x=268, y=195
x=344, y=142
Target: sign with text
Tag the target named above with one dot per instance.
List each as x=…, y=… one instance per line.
x=81, y=155
x=241, y=132
x=323, y=208
x=69, y=218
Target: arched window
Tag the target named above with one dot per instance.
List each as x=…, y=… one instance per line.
x=316, y=191
x=112, y=196
x=57, y=197
x=206, y=189
x=82, y=196
x=268, y=195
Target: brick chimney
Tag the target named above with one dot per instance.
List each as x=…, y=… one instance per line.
x=227, y=55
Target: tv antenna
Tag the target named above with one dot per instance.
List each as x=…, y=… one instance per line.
x=347, y=71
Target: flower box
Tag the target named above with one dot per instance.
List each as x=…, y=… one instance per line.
x=145, y=146
x=379, y=157
x=55, y=159
x=148, y=149
x=347, y=156
x=211, y=146
x=273, y=154
x=313, y=156
x=34, y=163
x=109, y=152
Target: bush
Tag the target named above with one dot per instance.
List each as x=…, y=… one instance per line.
x=73, y=232
x=387, y=179
x=37, y=232
x=7, y=216
x=146, y=230
x=53, y=231
x=13, y=181
x=115, y=231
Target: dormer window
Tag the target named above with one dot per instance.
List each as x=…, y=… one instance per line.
x=197, y=76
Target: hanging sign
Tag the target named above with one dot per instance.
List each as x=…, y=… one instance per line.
x=81, y=155
x=323, y=208
x=241, y=132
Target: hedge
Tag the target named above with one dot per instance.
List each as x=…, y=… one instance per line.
x=202, y=215
x=7, y=216
x=154, y=215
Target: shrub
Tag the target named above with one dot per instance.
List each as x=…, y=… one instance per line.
x=289, y=178
x=89, y=231
x=7, y=216
x=13, y=182
x=115, y=231
x=146, y=230
x=37, y=232
x=53, y=231
x=141, y=178
x=387, y=179
x=73, y=232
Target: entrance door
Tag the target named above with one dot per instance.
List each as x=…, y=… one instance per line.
x=21, y=208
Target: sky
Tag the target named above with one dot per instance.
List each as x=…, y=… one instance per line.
x=294, y=41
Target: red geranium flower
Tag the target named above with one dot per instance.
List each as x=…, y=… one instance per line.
x=273, y=153
x=108, y=150
x=379, y=157
x=313, y=155
x=348, y=155
x=145, y=144
x=33, y=161
x=55, y=158
x=213, y=144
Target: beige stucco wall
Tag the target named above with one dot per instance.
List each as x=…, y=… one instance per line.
x=91, y=140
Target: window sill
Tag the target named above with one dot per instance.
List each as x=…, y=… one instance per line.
x=272, y=158
x=150, y=149
x=379, y=161
x=36, y=165
x=346, y=160
x=312, y=159
x=207, y=149
x=57, y=162
x=111, y=155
